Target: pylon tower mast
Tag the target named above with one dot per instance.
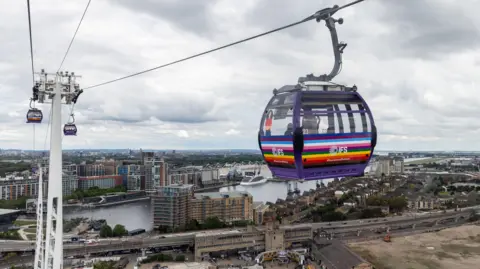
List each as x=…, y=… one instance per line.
x=57, y=89
x=39, y=250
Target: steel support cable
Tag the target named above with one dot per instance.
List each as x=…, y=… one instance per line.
x=33, y=66
x=74, y=35
x=319, y=15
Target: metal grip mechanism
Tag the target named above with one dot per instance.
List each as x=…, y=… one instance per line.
x=326, y=15
x=72, y=116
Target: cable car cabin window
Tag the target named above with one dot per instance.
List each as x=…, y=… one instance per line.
x=337, y=129
x=276, y=130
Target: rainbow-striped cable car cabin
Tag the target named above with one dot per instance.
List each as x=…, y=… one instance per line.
x=317, y=130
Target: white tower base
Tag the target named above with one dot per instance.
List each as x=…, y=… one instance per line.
x=54, y=238
x=39, y=250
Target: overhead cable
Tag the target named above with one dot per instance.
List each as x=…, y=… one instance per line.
x=33, y=66
x=74, y=35
x=319, y=15
x=31, y=41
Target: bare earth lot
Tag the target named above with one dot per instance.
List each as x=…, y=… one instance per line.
x=457, y=248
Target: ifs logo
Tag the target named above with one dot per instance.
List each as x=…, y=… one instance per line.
x=335, y=150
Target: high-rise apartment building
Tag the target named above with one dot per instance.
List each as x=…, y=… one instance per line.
x=133, y=175
x=389, y=165
x=88, y=170
x=227, y=206
x=156, y=172
x=169, y=205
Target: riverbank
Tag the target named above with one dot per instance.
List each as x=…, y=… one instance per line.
x=109, y=204
x=217, y=187
x=278, y=180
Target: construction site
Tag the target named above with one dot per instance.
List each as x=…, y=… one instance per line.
x=457, y=247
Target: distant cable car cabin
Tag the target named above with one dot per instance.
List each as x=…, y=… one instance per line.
x=34, y=115
x=70, y=129
x=318, y=129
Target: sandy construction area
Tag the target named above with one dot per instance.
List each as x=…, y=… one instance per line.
x=457, y=248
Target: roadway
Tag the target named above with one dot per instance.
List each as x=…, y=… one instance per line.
x=345, y=236
x=189, y=238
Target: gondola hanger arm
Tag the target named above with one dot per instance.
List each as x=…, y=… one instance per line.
x=326, y=15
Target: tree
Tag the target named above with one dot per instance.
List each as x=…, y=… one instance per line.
x=192, y=225
x=212, y=223
x=180, y=258
x=376, y=200
x=119, y=230
x=398, y=203
x=104, y=265
x=371, y=213
x=106, y=231
x=333, y=216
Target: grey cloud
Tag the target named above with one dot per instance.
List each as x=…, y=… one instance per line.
x=268, y=15
x=191, y=16
x=427, y=28
x=176, y=112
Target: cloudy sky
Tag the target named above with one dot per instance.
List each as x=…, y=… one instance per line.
x=416, y=62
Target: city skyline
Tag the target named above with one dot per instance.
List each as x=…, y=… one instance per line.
x=404, y=59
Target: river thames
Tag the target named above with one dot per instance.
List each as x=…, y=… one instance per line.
x=137, y=215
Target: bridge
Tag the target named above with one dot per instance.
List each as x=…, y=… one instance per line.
x=258, y=237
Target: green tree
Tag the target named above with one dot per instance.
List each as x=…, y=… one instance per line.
x=180, y=258
x=106, y=231
x=371, y=213
x=212, y=223
x=192, y=225
x=119, y=230
x=333, y=216
x=104, y=265
x=397, y=204
x=376, y=200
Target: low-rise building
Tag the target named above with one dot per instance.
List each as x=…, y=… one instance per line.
x=227, y=206
x=422, y=202
x=102, y=182
x=18, y=185
x=259, y=210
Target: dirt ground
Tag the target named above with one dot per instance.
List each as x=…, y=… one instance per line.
x=187, y=265
x=457, y=247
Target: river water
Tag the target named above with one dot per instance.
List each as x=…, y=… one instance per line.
x=137, y=215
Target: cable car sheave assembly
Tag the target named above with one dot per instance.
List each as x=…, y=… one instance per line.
x=318, y=129
x=35, y=115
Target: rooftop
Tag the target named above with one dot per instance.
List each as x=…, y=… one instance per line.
x=209, y=233
x=217, y=195
x=7, y=211
x=177, y=186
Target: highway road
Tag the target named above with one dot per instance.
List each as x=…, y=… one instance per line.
x=188, y=238
x=352, y=237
